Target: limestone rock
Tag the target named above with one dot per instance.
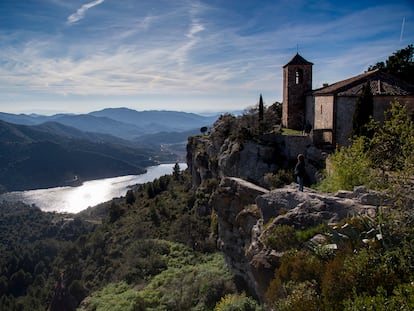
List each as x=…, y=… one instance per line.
x=236, y=220
x=243, y=208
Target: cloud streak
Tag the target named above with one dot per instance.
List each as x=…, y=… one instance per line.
x=80, y=13
x=190, y=49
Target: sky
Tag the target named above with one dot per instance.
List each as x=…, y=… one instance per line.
x=203, y=56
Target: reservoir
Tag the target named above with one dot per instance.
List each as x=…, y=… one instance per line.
x=90, y=193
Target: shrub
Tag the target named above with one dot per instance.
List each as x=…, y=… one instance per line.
x=278, y=179
x=401, y=300
x=299, y=296
x=113, y=297
x=350, y=167
x=190, y=287
x=297, y=267
x=281, y=238
x=305, y=235
x=237, y=302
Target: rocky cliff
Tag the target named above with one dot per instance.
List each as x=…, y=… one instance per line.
x=231, y=151
x=247, y=214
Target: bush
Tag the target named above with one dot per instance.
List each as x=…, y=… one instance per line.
x=113, y=297
x=297, y=267
x=305, y=235
x=401, y=300
x=278, y=179
x=189, y=287
x=299, y=296
x=350, y=167
x=237, y=302
x=281, y=238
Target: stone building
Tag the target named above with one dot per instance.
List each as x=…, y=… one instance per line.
x=297, y=81
x=329, y=110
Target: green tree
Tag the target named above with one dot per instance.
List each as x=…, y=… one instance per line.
x=393, y=142
x=348, y=167
x=261, y=108
x=130, y=197
x=400, y=64
x=115, y=212
x=364, y=108
x=176, y=171
x=261, y=115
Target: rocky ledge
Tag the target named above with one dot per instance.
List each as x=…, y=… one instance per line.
x=245, y=209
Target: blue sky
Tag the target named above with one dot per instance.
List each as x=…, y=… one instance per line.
x=196, y=56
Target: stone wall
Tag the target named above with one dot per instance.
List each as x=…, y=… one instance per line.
x=324, y=112
x=345, y=107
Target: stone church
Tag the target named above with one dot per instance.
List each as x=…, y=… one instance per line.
x=328, y=111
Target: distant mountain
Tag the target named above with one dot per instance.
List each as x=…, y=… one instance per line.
x=157, y=120
x=22, y=118
x=120, y=122
x=166, y=137
x=52, y=154
x=106, y=125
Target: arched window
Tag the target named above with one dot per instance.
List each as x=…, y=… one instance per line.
x=298, y=76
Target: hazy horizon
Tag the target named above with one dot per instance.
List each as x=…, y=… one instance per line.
x=57, y=112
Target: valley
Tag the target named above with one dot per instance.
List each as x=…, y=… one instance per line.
x=49, y=151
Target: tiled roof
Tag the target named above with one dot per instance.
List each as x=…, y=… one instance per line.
x=298, y=60
x=381, y=84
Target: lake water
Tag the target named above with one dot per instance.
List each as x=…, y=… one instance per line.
x=90, y=193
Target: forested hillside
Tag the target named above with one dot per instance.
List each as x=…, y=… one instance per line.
x=152, y=250
x=52, y=154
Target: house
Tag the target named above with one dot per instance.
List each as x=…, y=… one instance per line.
x=329, y=110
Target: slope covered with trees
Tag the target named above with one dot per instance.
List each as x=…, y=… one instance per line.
x=51, y=154
x=151, y=251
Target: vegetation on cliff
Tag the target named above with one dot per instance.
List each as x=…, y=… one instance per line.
x=152, y=251
x=359, y=273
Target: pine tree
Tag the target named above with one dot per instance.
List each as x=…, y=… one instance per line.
x=261, y=108
x=364, y=110
x=176, y=171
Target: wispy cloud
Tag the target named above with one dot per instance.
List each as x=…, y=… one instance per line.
x=190, y=48
x=80, y=13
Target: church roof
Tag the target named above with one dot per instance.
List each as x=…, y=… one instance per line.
x=298, y=60
x=381, y=83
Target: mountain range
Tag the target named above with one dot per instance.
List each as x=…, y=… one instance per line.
x=120, y=122
x=46, y=151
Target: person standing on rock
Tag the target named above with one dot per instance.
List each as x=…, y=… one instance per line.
x=300, y=170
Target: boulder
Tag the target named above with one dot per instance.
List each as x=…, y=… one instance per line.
x=245, y=209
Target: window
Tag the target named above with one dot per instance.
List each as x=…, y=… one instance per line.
x=298, y=76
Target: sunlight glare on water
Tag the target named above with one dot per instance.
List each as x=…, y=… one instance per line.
x=90, y=193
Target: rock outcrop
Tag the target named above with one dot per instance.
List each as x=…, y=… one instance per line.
x=221, y=153
x=243, y=208
x=239, y=159
x=239, y=226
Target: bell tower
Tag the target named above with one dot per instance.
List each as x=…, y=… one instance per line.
x=297, y=80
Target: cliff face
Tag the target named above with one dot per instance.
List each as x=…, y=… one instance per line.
x=244, y=208
x=222, y=153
